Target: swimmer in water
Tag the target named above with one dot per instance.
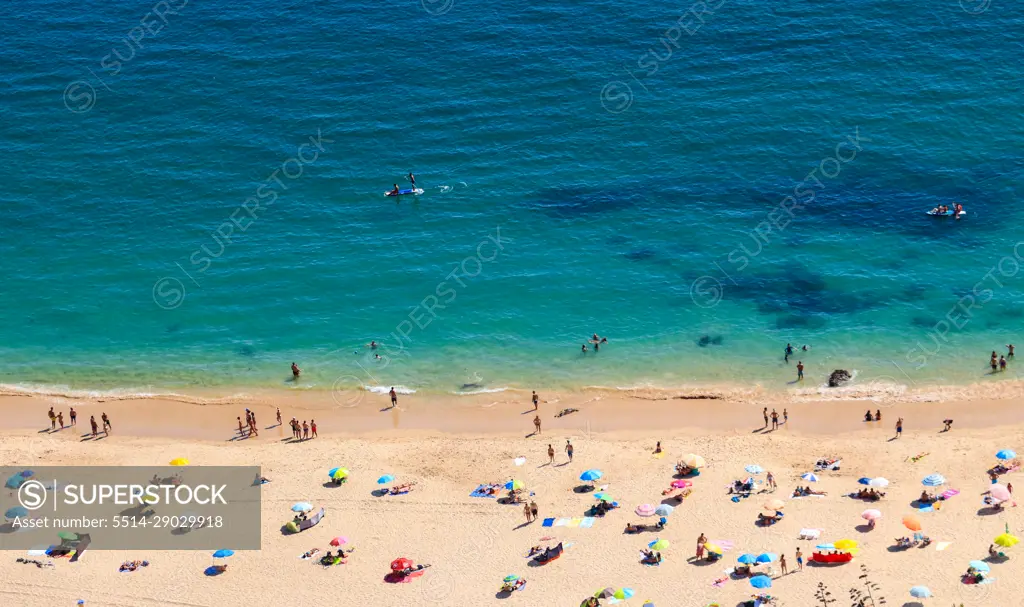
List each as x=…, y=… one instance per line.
x=584, y=348
x=295, y=371
x=373, y=345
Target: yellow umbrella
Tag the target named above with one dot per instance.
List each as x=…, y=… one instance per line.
x=846, y=545
x=1005, y=540
x=693, y=461
x=340, y=473
x=179, y=461
x=713, y=548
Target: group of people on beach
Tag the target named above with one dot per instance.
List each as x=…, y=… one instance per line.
x=998, y=361
x=596, y=341
x=304, y=430
x=57, y=417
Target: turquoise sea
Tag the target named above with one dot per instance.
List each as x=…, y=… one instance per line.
x=194, y=192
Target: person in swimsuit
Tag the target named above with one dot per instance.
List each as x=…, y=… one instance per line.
x=295, y=371
x=394, y=192
x=993, y=361
x=412, y=179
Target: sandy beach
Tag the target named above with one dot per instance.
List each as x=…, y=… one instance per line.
x=448, y=446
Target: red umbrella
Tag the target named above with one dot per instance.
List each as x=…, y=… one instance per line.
x=401, y=563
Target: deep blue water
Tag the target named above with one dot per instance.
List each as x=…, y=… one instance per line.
x=196, y=200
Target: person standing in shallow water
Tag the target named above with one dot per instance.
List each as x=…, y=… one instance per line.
x=789, y=352
x=799, y=370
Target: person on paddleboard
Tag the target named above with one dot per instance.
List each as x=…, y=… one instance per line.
x=394, y=192
x=412, y=179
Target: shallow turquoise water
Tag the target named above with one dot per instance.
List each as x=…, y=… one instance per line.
x=636, y=184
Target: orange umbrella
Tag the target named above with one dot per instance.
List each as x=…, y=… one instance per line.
x=911, y=522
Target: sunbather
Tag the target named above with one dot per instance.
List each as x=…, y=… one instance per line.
x=679, y=497
x=513, y=586
x=926, y=498
x=403, y=488
x=682, y=469
x=411, y=570
x=650, y=557
x=310, y=553
x=133, y=565
x=564, y=412
x=219, y=568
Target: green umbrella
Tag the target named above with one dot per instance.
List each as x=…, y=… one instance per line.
x=510, y=578
x=67, y=535
x=658, y=545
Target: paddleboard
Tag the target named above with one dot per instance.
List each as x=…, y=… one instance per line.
x=415, y=192
x=946, y=214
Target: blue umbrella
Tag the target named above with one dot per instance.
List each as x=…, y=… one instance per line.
x=627, y=593
x=223, y=554
x=810, y=476
x=600, y=496
x=591, y=475
x=747, y=559
x=387, y=478
x=302, y=507
x=767, y=557
x=15, y=481
x=664, y=510
x=1006, y=454
x=933, y=480
x=826, y=547
x=761, y=581
x=16, y=512
x=979, y=566
x=331, y=472
x=27, y=473
x=920, y=592
x=864, y=480
x=754, y=469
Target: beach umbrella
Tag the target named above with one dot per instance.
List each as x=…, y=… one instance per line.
x=747, y=559
x=648, y=604
x=645, y=510
x=302, y=507
x=591, y=475
x=623, y=594
x=1005, y=540
x=979, y=566
x=767, y=557
x=519, y=461
x=340, y=473
x=68, y=535
x=387, y=478
x=713, y=548
x=27, y=473
x=1000, y=492
x=510, y=578
x=607, y=593
x=15, y=481
x=774, y=504
x=338, y=541
x=761, y=581
x=664, y=510
x=401, y=563
x=514, y=484
x=933, y=480
x=16, y=512
x=920, y=592
x=658, y=544
x=826, y=546
x=879, y=483
x=179, y=461
x=223, y=554
x=753, y=469
x=604, y=497
x=810, y=476
x=693, y=461
x=846, y=545
x=331, y=472
x=911, y=522
x=871, y=514
x=864, y=480
x=681, y=483
x=1005, y=454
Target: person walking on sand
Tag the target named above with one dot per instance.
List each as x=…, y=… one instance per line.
x=775, y=419
x=74, y=416
x=241, y=429
x=279, y=416
x=782, y=564
x=95, y=426
x=700, y=546
x=899, y=427
x=536, y=424
x=106, y=424
x=568, y=449
x=60, y=419
x=312, y=428
x=53, y=419
x=252, y=425
x=799, y=370
x=534, y=510
x=799, y=560
x=770, y=479
x=765, y=412
x=551, y=454
x=394, y=397
x=526, y=513
x=785, y=416
x=536, y=399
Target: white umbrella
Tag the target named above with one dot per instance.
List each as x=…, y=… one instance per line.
x=878, y=483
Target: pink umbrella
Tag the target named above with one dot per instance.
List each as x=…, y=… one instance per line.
x=338, y=541
x=645, y=510
x=871, y=515
x=681, y=484
x=1000, y=492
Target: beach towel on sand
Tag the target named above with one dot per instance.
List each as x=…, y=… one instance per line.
x=575, y=522
x=481, y=491
x=948, y=493
x=587, y=522
x=548, y=522
x=562, y=522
